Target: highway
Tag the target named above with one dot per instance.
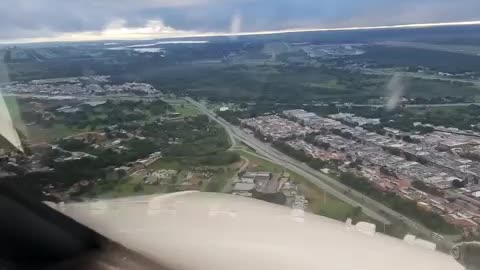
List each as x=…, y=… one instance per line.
x=420, y=105
x=370, y=207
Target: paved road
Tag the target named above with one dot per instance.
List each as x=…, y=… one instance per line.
x=406, y=105
x=370, y=207
x=274, y=155
x=421, y=105
x=233, y=141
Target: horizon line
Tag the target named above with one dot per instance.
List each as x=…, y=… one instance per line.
x=227, y=34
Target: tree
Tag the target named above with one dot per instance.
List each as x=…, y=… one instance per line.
x=458, y=184
x=357, y=211
x=138, y=187
x=72, y=144
x=122, y=174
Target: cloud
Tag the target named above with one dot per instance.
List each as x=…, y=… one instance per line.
x=117, y=30
x=20, y=19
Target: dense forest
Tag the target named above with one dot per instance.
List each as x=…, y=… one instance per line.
x=207, y=71
x=385, y=56
x=198, y=143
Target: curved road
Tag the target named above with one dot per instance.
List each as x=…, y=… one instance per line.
x=370, y=207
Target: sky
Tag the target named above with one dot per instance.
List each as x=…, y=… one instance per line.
x=52, y=20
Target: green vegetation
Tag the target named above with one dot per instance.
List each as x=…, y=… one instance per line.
x=403, y=206
x=37, y=133
x=319, y=201
x=324, y=204
x=385, y=56
x=257, y=163
x=301, y=156
x=332, y=83
x=134, y=184
x=193, y=142
x=461, y=117
x=114, y=113
x=114, y=189
x=287, y=83
x=186, y=109
x=258, y=109
x=218, y=182
x=167, y=164
x=363, y=185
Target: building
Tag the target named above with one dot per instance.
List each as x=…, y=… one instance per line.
x=258, y=176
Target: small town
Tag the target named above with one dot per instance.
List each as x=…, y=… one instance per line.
x=437, y=170
x=68, y=88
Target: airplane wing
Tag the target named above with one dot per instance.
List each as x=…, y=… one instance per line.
x=193, y=230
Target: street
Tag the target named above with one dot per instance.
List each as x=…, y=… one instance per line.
x=370, y=207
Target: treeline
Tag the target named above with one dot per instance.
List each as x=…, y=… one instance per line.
x=195, y=141
x=463, y=117
x=290, y=151
x=301, y=156
x=71, y=171
x=388, y=56
x=255, y=109
x=113, y=113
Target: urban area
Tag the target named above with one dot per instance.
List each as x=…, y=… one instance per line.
x=439, y=171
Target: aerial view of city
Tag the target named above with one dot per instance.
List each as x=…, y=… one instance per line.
x=377, y=127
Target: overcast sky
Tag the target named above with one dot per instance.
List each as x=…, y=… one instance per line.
x=24, y=19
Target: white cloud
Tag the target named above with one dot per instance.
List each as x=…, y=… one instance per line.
x=72, y=20
x=156, y=30
x=116, y=30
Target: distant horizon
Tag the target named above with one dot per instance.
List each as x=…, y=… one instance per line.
x=129, y=34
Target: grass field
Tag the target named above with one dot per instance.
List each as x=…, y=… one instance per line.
x=125, y=188
x=37, y=134
x=130, y=186
x=186, y=110
x=324, y=204
x=320, y=202
x=167, y=164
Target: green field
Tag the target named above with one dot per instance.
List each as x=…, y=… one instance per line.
x=167, y=164
x=129, y=187
x=124, y=188
x=186, y=109
x=183, y=107
x=324, y=204
x=217, y=183
x=37, y=134
x=319, y=202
